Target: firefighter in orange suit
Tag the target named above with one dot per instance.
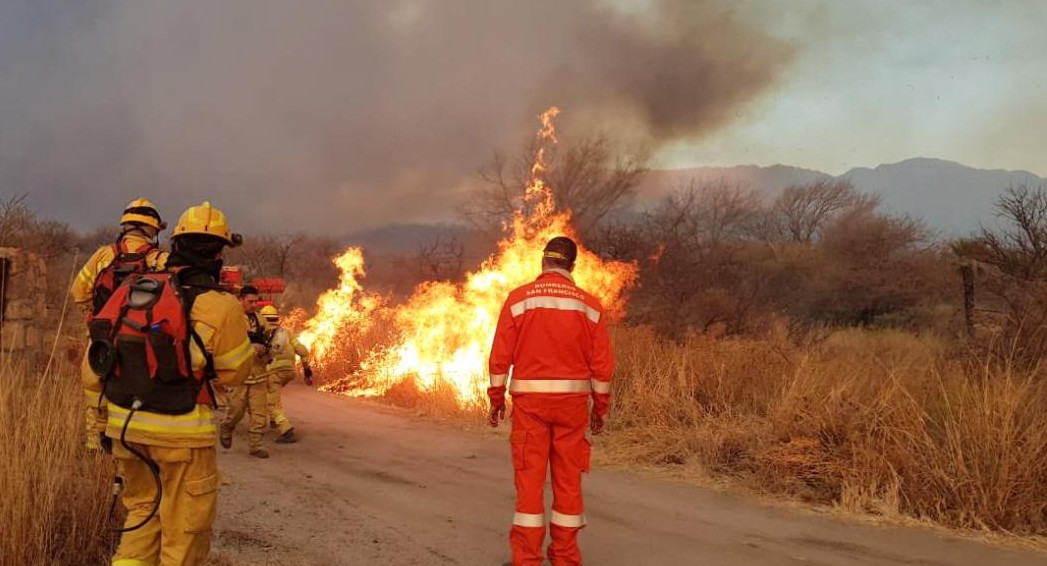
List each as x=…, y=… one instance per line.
x=554, y=337
x=140, y=224
x=181, y=448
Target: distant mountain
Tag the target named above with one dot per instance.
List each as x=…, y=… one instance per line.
x=953, y=198
x=768, y=180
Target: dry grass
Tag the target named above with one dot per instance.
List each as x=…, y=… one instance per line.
x=883, y=422
x=55, y=495
x=875, y=421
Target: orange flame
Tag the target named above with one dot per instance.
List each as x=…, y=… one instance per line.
x=443, y=332
x=346, y=307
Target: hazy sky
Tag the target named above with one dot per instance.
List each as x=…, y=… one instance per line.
x=879, y=81
x=334, y=116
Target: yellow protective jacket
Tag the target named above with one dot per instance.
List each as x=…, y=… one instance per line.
x=257, y=324
x=82, y=292
x=285, y=347
x=84, y=284
x=219, y=320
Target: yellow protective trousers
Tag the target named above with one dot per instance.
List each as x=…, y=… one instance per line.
x=96, y=414
x=274, y=384
x=180, y=533
x=248, y=398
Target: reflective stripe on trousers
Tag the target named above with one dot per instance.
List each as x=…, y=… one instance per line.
x=548, y=432
x=534, y=520
x=570, y=521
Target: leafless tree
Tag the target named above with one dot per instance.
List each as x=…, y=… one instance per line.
x=1019, y=247
x=713, y=212
x=586, y=177
x=441, y=258
x=100, y=236
x=1009, y=270
x=269, y=255
x=801, y=212
x=15, y=219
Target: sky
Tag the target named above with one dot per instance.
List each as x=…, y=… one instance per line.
x=882, y=81
x=334, y=116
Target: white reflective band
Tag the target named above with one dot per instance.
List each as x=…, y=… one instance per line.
x=602, y=387
x=499, y=380
x=572, y=521
x=529, y=519
x=557, y=303
x=550, y=386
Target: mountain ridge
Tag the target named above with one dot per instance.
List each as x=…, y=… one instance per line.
x=952, y=197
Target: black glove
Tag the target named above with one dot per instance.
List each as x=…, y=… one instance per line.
x=105, y=442
x=308, y=372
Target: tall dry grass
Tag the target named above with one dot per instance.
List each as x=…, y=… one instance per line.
x=54, y=495
x=877, y=421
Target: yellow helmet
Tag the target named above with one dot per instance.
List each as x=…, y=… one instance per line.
x=269, y=311
x=142, y=211
x=205, y=219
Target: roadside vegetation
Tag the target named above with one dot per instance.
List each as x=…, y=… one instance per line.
x=807, y=344
x=813, y=345
x=883, y=421
x=55, y=494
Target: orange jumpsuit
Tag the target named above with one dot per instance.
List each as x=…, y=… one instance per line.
x=554, y=337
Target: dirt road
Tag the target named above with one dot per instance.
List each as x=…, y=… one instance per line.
x=366, y=485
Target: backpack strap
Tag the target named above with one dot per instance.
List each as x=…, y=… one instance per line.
x=189, y=293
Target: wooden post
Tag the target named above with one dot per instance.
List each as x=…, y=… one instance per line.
x=967, y=272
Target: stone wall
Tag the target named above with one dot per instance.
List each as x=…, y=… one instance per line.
x=24, y=308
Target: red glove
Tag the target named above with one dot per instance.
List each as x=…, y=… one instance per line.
x=596, y=422
x=497, y=413
x=601, y=404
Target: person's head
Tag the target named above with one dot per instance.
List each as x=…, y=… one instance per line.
x=199, y=239
x=141, y=215
x=560, y=253
x=271, y=315
x=249, y=298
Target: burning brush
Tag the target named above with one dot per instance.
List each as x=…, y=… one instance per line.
x=441, y=335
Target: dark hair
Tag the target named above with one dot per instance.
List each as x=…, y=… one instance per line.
x=561, y=251
x=248, y=290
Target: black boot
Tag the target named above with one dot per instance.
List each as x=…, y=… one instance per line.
x=286, y=438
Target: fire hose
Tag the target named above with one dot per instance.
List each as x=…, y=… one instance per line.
x=118, y=482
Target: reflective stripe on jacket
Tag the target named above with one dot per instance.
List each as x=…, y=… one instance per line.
x=554, y=337
x=258, y=374
x=285, y=348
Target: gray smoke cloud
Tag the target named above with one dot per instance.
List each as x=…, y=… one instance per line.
x=332, y=116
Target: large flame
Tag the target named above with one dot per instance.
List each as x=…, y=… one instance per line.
x=443, y=333
x=346, y=308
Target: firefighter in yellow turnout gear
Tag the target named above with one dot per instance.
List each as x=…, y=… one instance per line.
x=251, y=397
x=181, y=446
x=140, y=224
x=282, y=371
